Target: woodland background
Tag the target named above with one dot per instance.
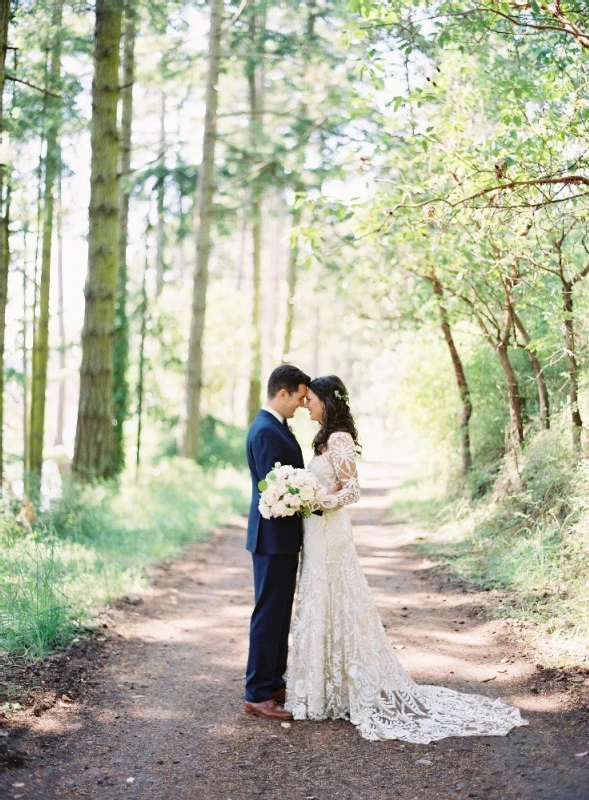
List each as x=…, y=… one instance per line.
x=194, y=192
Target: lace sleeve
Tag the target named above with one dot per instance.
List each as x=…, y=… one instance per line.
x=341, y=452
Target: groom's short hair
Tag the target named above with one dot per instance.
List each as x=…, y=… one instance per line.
x=286, y=377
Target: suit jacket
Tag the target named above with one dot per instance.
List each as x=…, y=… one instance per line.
x=268, y=441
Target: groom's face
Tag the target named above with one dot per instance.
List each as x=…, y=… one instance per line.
x=290, y=402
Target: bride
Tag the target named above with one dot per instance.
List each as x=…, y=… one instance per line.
x=341, y=664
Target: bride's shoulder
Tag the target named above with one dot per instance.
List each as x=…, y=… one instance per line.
x=340, y=436
x=341, y=441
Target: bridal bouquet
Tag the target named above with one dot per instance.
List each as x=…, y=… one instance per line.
x=287, y=491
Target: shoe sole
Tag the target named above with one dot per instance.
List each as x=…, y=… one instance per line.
x=266, y=716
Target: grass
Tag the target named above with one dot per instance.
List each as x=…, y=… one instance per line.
x=527, y=539
x=93, y=545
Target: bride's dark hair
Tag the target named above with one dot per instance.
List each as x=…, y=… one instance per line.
x=336, y=412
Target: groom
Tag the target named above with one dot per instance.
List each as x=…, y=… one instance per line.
x=274, y=545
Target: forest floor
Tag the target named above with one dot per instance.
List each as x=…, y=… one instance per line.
x=151, y=706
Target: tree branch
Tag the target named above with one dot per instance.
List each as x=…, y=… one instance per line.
x=32, y=86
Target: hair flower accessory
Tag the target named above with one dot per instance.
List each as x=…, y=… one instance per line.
x=345, y=398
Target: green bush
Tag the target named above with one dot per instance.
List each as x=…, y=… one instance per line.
x=93, y=544
x=34, y=611
x=529, y=539
x=222, y=445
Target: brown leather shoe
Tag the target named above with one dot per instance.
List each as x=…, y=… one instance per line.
x=279, y=695
x=269, y=708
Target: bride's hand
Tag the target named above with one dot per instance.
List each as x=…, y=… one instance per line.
x=325, y=499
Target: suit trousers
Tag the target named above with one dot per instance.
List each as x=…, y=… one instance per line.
x=274, y=584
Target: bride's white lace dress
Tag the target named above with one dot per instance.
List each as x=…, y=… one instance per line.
x=341, y=664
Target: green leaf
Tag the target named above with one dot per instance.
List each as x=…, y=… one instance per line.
x=262, y=485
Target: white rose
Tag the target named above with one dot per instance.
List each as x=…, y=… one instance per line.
x=264, y=510
x=295, y=501
x=297, y=480
x=271, y=494
x=279, y=509
x=307, y=494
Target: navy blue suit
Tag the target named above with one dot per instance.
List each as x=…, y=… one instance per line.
x=274, y=545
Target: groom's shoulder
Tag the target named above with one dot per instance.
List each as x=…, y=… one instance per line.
x=261, y=426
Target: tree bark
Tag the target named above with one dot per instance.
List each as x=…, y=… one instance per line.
x=255, y=82
x=543, y=396
x=255, y=383
x=516, y=428
x=39, y=208
x=121, y=340
x=160, y=264
x=40, y=356
x=569, y=341
x=203, y=216
x=463, y=390
x=60, y=317
x=316, y=338
x=291, y=283
x=293, y=256
x=4, y=216
x=568, y=328
x=25, y=357
x=142, y=335
x=499, y=340
x=94, y=432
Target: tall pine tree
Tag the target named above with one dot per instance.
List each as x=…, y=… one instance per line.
x=94, y=432
x=204, y=219
x=121, y=343
x=52, y=165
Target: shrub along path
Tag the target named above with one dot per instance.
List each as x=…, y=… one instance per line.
x=156, y=706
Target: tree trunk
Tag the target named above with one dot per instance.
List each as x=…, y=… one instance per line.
x=160, y=264
x=4, y=215
x=121, y=340
x=241, y=251
x=203, y=213
x=39, y=209
x=142, y=334
x=293, y=255
x=60, y=316
x=569, y=340
x=316, y=338
x=41, y=332
x=291, y=284
x=516, y=427
x=463, y=390
x=93, y=449
x=25, y=356
x=255, y=82
x=255, y=384
x=499, y=341
x=543, y=397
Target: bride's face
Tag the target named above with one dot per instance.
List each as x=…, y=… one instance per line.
x=314, y=406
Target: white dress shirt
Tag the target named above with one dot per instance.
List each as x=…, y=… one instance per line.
x=274, y=413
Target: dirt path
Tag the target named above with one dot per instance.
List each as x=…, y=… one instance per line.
x=165, y=718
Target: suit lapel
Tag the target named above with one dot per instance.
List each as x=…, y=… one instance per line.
x=284, y=429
